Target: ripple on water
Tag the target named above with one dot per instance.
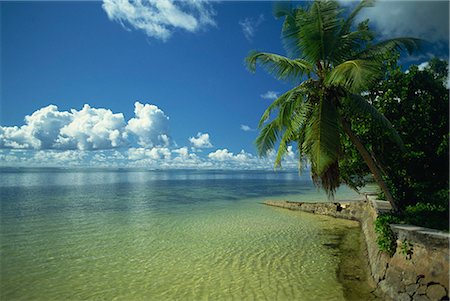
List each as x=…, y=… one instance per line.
x=78, y=244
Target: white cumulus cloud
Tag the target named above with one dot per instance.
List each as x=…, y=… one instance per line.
x=271, y=95
x=150, y=126
x=159, y=18
x=155, y=153
x=40, y=131
x=226, y=155
x=92, y=128
x=201, y=141
x=48, y=128
x=221, y=155
x=87, y=129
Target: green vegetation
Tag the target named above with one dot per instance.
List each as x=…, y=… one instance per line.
x=406, y=248
x=416, y=102
x=420, y=214
x=331, y=62
x=427, y=215
x=386, y=239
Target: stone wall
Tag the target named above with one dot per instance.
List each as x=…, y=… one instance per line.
x=419, y=269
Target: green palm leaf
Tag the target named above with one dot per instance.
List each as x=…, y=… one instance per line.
x=274, y=105
x=288, y=136
x=351, y=18
x=267, y=138
x=398, y=44
x=294, y=129
x=280, y=66
x=317, y=30
x=322, y=140
x=297, y=94
x=354, y=75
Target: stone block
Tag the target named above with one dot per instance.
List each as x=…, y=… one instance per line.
x=403, y=297
x=411, y=289
x=436, y=292
x=420, y=298
x=422, y=290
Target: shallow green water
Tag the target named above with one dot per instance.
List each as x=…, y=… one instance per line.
x=133, y=236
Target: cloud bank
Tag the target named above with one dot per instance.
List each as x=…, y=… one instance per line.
x=160, y=18
x=87, y=129
x=98, y=137
x=139, y=157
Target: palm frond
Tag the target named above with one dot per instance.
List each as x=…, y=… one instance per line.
x=354, y=75
x=283, y=9
x=294, y=129
x=322, y=140
x=329, y=179
x=317, y=30
x=267, y=138
x=290, y=29
x=274, y=105
x=279, y=66
x=297, y=94
x=349, y=42
x=300, y=149
x=399, y=44
x=351, y=18
x=288, y=136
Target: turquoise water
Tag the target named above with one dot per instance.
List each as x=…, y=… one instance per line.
x=164, y=235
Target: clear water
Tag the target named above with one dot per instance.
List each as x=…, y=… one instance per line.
x=164, y=235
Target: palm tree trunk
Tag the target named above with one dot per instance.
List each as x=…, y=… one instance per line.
x=370, y=163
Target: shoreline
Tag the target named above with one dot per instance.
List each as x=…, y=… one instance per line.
x=421, y=276
x=353, y=270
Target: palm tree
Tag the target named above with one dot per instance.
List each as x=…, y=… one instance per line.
x=333, y=61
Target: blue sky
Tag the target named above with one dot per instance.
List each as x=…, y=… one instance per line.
x=162, y=83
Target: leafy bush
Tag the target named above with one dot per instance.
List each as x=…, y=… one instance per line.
x=407, y=249
x=417, y=104
x=427, y=215
x=386, y=239
x=421, y=214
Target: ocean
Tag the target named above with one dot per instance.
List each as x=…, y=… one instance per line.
x=93, y=234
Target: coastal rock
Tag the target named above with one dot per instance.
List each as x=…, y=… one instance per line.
x=412, y=289
x=436, y=292
x=394, y=281
x=422, y=290
x=404, y=297
x=420, y=298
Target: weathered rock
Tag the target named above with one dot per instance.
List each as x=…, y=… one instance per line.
x=404, y=297
x=436, y=292
x=394, y=281
x=422, y=290
x=420, y=298
x=412, y=289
